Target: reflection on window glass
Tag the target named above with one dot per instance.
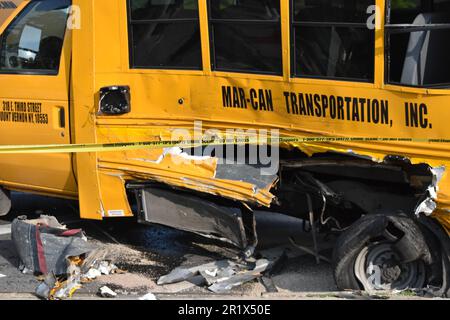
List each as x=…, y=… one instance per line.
x=331, y=10
x=165, y=34
x=247, y=9
x=163, y=9
x=325, y=47
x=418, y=53
x=33, y=42
x=335, y=52
x=246, y=35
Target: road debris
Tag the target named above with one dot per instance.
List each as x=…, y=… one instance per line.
x=5, y=229
x=148, y=296
x=2, y=275
x=220, y=276
x=181, y=274
x=106, y=292
x=224, y=285
x=64, y=258
x=44, y=245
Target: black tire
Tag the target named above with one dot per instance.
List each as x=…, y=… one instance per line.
x=5, y=202
x=374, y=241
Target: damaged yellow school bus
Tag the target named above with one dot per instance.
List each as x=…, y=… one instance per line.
x=129, y=71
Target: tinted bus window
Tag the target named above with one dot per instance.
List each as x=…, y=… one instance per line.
x=417, y=46
x=164, y=34
x=33, y=42
x=245, y=35
x=331, y=39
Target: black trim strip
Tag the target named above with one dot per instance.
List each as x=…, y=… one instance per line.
x=330, y=24
x=162, y=21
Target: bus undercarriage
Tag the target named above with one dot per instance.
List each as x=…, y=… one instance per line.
x=378, y=210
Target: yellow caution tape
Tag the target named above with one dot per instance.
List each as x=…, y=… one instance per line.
x=122, y=146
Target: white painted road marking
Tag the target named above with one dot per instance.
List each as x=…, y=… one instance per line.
x=5, y=229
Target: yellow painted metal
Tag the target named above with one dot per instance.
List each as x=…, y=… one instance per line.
x=101, y=58
x=84, y=108
x=41, y=97
x=7, y=10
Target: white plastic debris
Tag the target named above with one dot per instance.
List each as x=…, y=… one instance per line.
x=107, y=292
x=212, y=273
x=148, y=296
x=107, y=267
x=92, y=274
x=2, y=275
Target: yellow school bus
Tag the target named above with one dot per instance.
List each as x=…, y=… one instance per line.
x=357, y=91
x=7, y=7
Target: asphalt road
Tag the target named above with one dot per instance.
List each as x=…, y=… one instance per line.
x=148, y=252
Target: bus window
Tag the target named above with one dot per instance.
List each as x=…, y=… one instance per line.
x=417, y=47
x=33, y=42
x=164, y=34
x=246, y=35
x=331, y=39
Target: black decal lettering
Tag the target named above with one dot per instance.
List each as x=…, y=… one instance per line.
x=262, y=100
x=324, y=105
x=286, y=98
x=243, y=101
x=407, y=114
x=333, y=110
x=294, y=103
x=302, y=104
x=362, y=101
x=340, y=107
x=347, y=105
x=309, y=104
x=235, y=98
x=384, y=112
x=253, y=99
x=355, y=113
x=375, y=111
x=423, y=113
x=226, y=96
x=269, y=100
x=414, y=116
x=317, y=105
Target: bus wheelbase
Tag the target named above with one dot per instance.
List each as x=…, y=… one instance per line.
x=392, y=252
x=5, y=201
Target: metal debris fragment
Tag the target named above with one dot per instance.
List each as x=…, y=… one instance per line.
x=428, y=204
x=220, y=276
x=182, y=274
x=106, y=292
x=225, y=285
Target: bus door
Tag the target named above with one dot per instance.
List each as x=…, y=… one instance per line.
x=35, y=52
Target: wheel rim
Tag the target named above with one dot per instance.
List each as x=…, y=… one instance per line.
x=378, y=267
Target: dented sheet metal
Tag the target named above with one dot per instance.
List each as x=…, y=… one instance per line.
x=429, y=205
x=192, y=213
x=245, y=183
